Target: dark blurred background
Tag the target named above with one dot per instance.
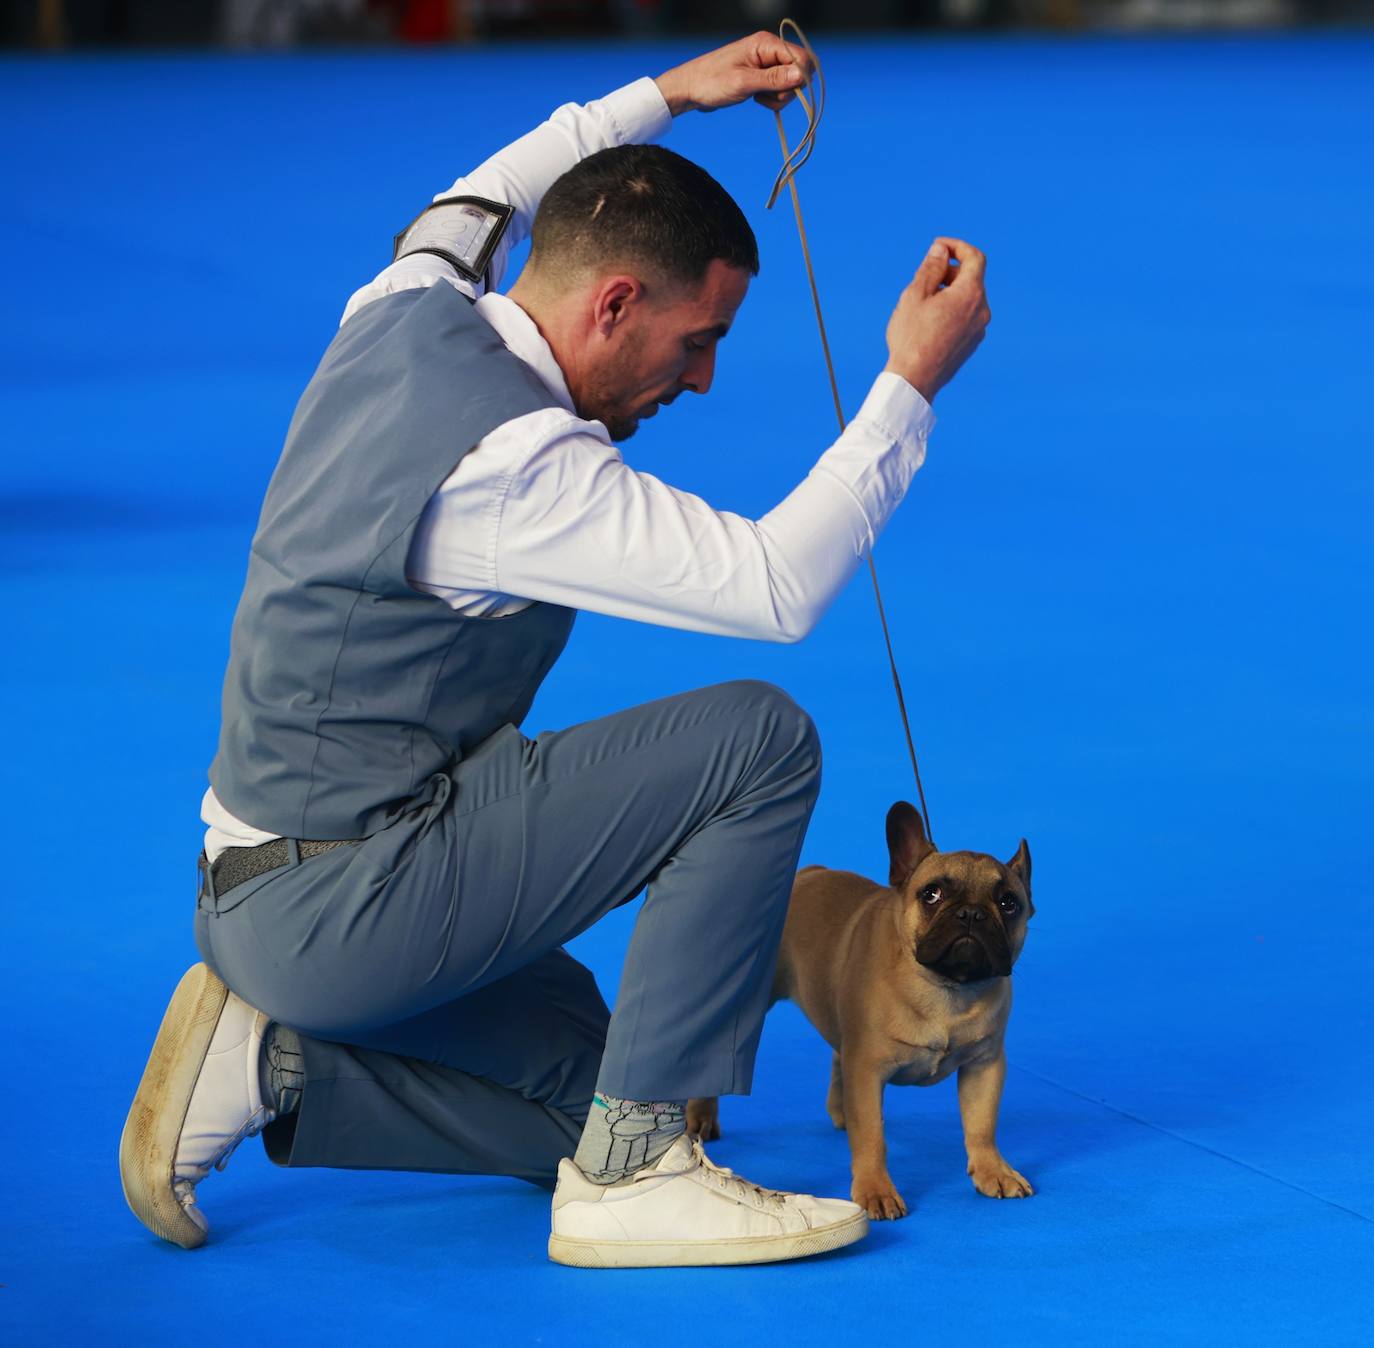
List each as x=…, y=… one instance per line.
x=59, y=24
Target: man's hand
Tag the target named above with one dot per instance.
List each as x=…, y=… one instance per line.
x=940, y=318
x=762, y=67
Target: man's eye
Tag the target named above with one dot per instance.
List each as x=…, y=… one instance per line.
x=696, y=346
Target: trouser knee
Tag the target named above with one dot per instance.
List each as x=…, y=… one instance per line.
x=782, y=729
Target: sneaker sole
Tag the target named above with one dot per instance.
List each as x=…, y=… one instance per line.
x=148, y=1145
x=577, y=1253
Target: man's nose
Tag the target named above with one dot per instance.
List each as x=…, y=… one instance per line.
x=700, y=371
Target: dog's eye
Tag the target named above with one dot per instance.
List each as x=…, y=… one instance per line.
x=931, y=895
x=1009, y=905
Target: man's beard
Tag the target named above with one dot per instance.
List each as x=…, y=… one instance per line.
x=604, y=404
x=619, y=428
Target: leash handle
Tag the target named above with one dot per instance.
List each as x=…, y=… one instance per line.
x=792, y=162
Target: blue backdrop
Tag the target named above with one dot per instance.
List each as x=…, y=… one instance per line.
x=1129, y=598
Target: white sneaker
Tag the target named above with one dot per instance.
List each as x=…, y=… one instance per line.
x=685, y=1209
x=200, y=1096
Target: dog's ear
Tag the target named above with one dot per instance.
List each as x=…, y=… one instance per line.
x=1020, y=866
x=907, y=844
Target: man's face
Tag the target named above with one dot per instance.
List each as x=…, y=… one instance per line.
x=662, y=343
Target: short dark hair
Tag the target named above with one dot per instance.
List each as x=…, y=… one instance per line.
x=644, y=204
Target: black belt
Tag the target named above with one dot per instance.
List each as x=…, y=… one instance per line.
x=235, y=865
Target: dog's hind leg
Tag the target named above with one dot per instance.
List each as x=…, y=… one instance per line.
x=834, y=1100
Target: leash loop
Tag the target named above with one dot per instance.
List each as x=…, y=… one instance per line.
x=813, y=102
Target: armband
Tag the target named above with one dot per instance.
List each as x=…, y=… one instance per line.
x=464, y=231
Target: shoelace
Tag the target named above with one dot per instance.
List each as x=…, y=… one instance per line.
x=252, y=1126
x=730, y=1182
x=185, y=1189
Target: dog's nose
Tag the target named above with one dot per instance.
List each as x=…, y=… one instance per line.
x=971, y=915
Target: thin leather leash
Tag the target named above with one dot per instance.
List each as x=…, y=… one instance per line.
x=792, y=161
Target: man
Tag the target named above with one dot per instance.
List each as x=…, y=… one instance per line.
x=390, y=866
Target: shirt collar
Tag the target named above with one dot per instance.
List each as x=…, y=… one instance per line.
x=523, y=339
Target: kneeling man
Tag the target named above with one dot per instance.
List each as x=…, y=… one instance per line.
x=391, y=867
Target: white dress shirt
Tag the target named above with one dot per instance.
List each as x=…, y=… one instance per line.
x=545, y=509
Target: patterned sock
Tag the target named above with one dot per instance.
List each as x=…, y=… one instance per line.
x=622, y=1136
x=282, y=1071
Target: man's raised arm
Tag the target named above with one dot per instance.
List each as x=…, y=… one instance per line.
x=762, y=66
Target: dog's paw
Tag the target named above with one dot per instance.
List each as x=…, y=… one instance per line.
x=836, y=1116
x=703, y=1118
x=879, y=1198
x=994, y=1178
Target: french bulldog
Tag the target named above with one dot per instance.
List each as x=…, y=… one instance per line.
x=907, y=982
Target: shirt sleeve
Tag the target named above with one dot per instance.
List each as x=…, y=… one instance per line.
x=520, y=174
x=570, y=523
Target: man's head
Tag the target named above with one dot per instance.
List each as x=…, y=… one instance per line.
x=638, y=261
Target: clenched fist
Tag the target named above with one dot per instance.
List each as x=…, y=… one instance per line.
x=762, y=67
x=940, y=318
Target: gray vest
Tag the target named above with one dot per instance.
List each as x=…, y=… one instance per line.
x=347, y=690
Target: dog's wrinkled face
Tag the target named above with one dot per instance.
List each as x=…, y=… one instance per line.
x=964, y=913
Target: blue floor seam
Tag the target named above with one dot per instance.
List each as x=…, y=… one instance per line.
x=1192, y=1142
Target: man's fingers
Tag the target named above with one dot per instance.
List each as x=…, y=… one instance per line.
x=774, y=69
x=785, y=77
x=762, y=66
x=941, y=317
x=930, y=275
x=769, y=50
x=775, y=101
x=972, y=263
x=776, y=86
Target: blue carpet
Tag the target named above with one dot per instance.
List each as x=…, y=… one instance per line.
x=1129, y=598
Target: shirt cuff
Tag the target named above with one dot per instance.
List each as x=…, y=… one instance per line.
x=638, y=112
x=897, y=408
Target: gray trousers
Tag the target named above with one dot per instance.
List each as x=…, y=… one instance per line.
x=444, y=1027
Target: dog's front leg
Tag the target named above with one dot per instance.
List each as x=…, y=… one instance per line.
x=863, y=1080
x=980, y=1096
x=703, y=1118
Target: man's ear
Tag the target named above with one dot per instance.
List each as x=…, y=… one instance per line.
x=612, y=300
x=907, y=844
x=1020, y=866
